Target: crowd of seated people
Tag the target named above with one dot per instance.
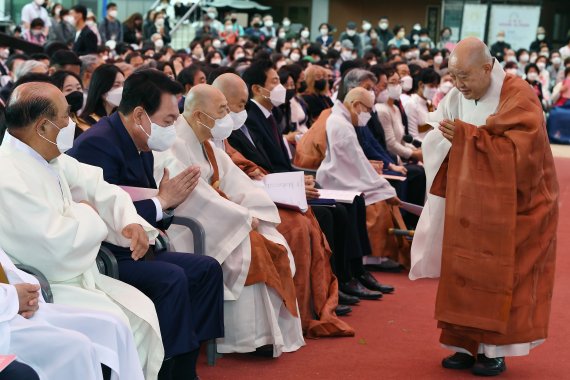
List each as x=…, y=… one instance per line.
x=110, y=106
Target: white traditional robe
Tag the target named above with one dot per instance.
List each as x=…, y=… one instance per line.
x=345, y=166
x=253, y=315
x=428, y=239
x=110, y=340
x=45, y=226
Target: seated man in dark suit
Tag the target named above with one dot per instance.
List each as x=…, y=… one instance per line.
x=187, y=289
x=260, y=141
x=86, y=40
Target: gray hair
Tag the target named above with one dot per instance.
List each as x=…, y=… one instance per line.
x=88, y=62
x=352, y=79
x=27, y=67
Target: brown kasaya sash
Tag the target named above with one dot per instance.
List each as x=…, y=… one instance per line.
x=3, y=277
x=269, y=260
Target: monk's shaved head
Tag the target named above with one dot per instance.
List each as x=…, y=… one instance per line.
x=357, y=101
x=471, y=51
x=204, y=105
x=203, y=97
x=359, y=94
x=471, y=64
x=234, y=89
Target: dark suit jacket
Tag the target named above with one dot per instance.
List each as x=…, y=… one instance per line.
x=264, y=138
x=108, y=145
x=255, y=153
x=86, y=43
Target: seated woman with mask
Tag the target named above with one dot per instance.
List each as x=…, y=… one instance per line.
x=105, y=93
x=316, y=95
x=71, y=86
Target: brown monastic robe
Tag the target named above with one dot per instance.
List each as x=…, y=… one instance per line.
x=501, y=215
x=316, y=286
x=310, y=150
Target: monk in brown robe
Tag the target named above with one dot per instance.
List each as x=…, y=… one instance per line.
x=500, y=191
x=311, y=149
x=316, y=285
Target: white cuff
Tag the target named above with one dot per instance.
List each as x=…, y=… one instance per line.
x=159, y=214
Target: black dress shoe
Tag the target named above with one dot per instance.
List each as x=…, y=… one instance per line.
x=345, y=299
x=458, y=360
x=342, y=310
x=355, y=288
x=489, y=366
x=368, y=280
x=263, y=351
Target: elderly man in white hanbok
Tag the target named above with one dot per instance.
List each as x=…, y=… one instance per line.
x=346, y=167
x=58, y=211
x=254, y=315
x=79, y=339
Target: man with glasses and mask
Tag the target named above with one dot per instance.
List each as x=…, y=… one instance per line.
x=260, y=308
x=186, y=289
x=58, y=211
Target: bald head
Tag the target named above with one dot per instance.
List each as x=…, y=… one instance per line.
x=361, y=95
x=36, y=113
x=471, y=51
x=471, y=65
x=234, y=89
x=358, y=101
x=32, y=101
x=205, y=98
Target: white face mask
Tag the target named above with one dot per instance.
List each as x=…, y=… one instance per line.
x=305, y=34
x=282, y=35
x=351, y=32
x=286, y=52
x=346, y=55
x=222, y=128
x=239, y=119
x=532, y=77
x=64, y=139
x=445, y=87
x=239, y=55
x=286, y=23
x=4, y=53
x=160, y=138
x=366, y=27
x=524, y=58
x=324, y=32
x=407, y=83
x=429, y=92
x=114, y=96
x=541, y=65
x=216, y=61
x=383, y=25
x=438, y=60
x=394, y=91
x=159, y=44
x=295, y=57
x=39, y=2
x=500, y=39
x=277, y=95
x=382, y=97
x=217, y=44
x=363, y=118
x=512, y=71
x=159, y=23
x=69, y=19
x=113, y=13
x=556, y=61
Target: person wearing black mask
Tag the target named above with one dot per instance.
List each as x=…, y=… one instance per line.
x=70, y=84
x=316, y=95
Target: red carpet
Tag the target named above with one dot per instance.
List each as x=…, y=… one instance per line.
x=397, y=338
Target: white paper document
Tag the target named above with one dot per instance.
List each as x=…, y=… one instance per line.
x=412, y=208
x=286, y=189
x=341, y=196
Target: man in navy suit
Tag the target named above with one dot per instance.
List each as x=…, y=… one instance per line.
x=187, y=289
